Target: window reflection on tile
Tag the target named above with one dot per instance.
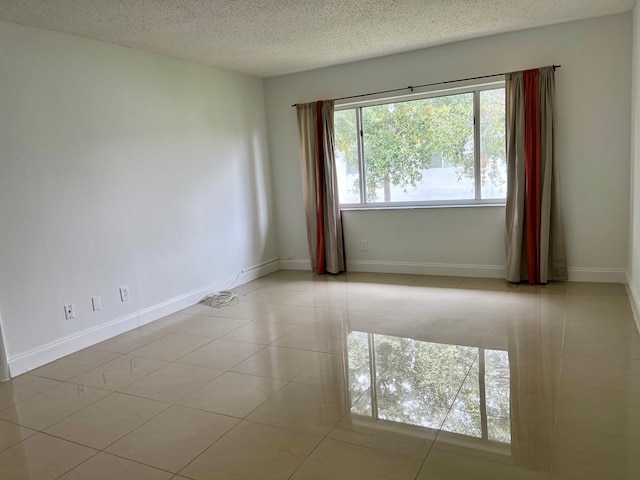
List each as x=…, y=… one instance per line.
x=363, y=406
x=499, y=429
x=358, y=344
x=496, y=363
x=359, y=377
x=463, y=390
x=497, y=400
x=464, y=423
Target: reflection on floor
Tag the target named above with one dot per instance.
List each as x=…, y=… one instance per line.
x=411, y=382
x=357, y=376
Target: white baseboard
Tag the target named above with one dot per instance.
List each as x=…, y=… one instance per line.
x=605, y=275
x=634, y=299
x=52, y=351
x=416, y=268
x=419, y=268
x=304, y=264
x=376, y=266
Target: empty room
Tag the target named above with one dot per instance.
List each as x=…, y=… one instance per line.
x=321, y=239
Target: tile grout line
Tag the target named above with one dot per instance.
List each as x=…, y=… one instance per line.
x=119, y=438
x=33, y=372
x=163, y=335
x=109, y=392
x=99, y=451
x=435, y=439
x=245, y=418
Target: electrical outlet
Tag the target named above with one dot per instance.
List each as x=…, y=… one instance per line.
x=364, y=245
x=96, y=303
x=69, y=311
x=124, y=293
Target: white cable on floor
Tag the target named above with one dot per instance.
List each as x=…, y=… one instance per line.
x=222, y=297
x=219, y=299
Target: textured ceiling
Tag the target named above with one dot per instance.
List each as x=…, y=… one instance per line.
x=274, y=37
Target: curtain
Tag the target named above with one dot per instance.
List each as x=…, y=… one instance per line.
x=534, y=232
x=320, y=187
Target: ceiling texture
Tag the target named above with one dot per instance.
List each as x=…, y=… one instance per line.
x=274, y=37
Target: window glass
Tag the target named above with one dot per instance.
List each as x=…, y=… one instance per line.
x=419, y=150
x=346, y=151
x=493, y=156
x=423, y=151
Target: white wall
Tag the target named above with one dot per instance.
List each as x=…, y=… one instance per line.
x=120, y=167
x=633, y=271
x=593, y=90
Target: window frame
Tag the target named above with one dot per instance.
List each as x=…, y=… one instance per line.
x=474, y=88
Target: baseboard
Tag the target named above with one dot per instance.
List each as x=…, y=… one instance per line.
x=634, y=299
x=418, y=268
x=304, y=264
x=176, y=304
x=52, y=351
x=605, y=275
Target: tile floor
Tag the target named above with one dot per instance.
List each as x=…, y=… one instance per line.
x=358, y=376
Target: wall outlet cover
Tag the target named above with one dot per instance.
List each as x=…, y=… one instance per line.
x=124, y=293
x=69, y=312
x=96, y=303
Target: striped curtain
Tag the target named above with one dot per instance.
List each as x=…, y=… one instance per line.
x=534, y=232
x=320, y=187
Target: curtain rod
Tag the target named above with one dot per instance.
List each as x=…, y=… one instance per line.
x=411, y=87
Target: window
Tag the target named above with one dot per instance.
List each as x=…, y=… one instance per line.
x=434, y=149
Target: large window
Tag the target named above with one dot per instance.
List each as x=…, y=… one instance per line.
x=439, y=149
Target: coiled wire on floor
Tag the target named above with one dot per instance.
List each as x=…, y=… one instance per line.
x=219, y=299
x=222, y=297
